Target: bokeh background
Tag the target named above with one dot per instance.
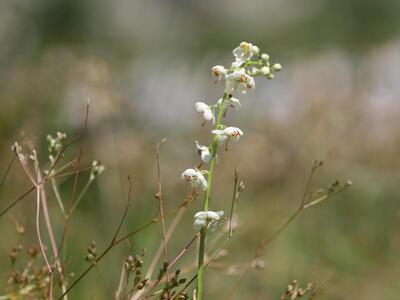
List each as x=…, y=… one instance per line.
x=144, y=63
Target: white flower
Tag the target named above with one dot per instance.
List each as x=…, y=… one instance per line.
x=219, y=72
x=206, y=110
x=207, y=218
x=243, y=53
x=204, y=152
x=195, y=178
x=232, y=101
x=227, y=133
x=239, y=80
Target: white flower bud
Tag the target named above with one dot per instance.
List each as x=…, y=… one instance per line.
x=265, y=70
x=265, y=57
x=256, y=50
x=277, y=67
x=97, y=169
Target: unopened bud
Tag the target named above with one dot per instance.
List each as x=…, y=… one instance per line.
x=277, y=67
x=265, y=71
x=265, y=57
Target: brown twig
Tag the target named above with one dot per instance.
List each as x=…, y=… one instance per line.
x=234, y=199
x=41, y=245
x=183, y=251
x=45, y=178
x=125, y=210
x=159, y=196
x=77, y=171
x=7, y=170
x=12, y=204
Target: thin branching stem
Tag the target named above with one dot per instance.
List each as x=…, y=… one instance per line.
x=12, y=204
x=234, y=200
x=50, y=231
x=103, y=278
x=41, y=245
x=115, y=241
x=81, y=194
x=159, y=252
x=159, y=196
x=264, y=243
x=173, y=262
x=45, y=178
x=74, y=188
x=7, y=170
x=58, y=195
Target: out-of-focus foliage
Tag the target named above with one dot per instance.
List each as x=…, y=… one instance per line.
x=143, y=64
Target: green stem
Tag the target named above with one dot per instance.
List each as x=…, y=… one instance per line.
x=206, y=202
x=58, y=196
x=80, y=197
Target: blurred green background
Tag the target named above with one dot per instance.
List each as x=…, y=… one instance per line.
x=144, y=63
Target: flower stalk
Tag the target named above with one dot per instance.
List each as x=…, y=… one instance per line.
x=206, y=201
x=239, y=77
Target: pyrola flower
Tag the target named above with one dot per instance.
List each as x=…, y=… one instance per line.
x=219, y=72
x=195, y=178
x=228, y=133
x=243, y=53
x=206, y=218
x=204, y=152
x=239, y=80
x=206, y=110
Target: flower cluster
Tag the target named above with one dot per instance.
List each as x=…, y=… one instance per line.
x=248, y=63
x=55, y=144
x=96, y=170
